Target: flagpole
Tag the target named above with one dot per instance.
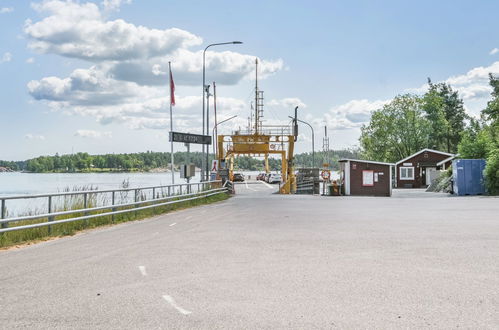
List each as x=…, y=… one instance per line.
x=215, y=138
x=171, y=124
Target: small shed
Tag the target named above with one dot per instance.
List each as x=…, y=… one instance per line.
x=366, y=178
x=419, y=169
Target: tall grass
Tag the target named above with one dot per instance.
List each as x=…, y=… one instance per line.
x=76, y=202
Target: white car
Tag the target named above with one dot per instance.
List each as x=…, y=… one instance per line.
x=275, y=178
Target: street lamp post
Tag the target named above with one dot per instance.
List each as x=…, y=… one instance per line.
x=206, y=127
x=313, y=149
x=215, y=133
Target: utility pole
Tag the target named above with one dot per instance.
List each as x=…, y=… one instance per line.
x=256, y=96
x=171, y=123
x=325, y=146
x=207, y=165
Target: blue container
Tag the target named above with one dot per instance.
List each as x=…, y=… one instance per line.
x=468, y=178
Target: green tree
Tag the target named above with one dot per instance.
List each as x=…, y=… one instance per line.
x=476, y=142
x=445, y=111
x=396, y=131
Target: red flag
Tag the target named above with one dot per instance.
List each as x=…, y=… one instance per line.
x=172, y=88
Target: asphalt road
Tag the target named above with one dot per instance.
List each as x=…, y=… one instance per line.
x=268, y=261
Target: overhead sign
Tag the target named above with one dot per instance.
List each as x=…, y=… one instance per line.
x=190, y=138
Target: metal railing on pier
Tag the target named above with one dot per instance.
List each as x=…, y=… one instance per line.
x=158, y=196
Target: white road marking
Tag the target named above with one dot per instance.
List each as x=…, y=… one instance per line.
x=174, y=305
x=247, y=187
x=173, y=224
x=143, y=270
x=268, y=186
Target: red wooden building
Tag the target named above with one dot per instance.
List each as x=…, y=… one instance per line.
x=366, y=178
x=419, y=169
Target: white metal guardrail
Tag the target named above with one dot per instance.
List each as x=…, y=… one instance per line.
x=175, y=195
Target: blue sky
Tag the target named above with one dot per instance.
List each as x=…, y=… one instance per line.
x=91, y=76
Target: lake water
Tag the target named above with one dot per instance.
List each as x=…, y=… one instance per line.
x=37, y=183
x=41, y=183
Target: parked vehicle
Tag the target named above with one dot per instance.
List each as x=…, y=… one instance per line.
x=267, y=176
x=275, y=178
x=238, y=177
x=261, y=177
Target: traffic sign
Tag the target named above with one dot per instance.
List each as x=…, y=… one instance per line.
x=190, y=138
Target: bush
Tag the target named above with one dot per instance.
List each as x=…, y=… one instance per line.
x=492, y=173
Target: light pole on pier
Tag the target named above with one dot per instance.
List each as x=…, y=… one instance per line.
x=313, y=148
x=206, y=126
x=215, y=134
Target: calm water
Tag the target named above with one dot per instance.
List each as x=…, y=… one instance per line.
x=37, y=183
x=40, y=183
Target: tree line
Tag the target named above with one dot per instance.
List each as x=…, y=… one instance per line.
x=436, y=120
x=145, y=161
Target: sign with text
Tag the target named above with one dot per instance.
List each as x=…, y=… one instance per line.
x=367, y=178
x=190, y=138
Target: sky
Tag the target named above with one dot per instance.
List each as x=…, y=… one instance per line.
x=92, y=76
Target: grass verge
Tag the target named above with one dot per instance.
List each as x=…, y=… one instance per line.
x=28, y=236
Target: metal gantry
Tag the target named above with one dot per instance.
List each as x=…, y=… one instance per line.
x=261, y=141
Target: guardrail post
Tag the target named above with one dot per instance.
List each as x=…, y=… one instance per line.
x=50, y=219
x=136, y=199
x=169, y=191
x=153, y=193
x=5, y=224
x=180, y=189
x=85, y=205
x=113, y=209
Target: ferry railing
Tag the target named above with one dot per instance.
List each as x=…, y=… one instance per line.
x=177, y=193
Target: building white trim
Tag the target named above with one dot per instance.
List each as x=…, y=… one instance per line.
x=391, y=182
x=347, y=178
x=364, y=161
x=406, y=178
x=424, y=150
x=446, y=160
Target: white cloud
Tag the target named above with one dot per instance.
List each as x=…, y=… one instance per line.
x=289, y=103
x=494, y=51
x=30, y=136
x=112, y=5
x=80, y=31
x=93, y=134
x=126, y=80
x=352, y=114
x=30, y=60
x=6, y=10
x=7, y=57
x=226, y=68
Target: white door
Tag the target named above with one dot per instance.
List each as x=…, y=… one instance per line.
x=431, y=174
